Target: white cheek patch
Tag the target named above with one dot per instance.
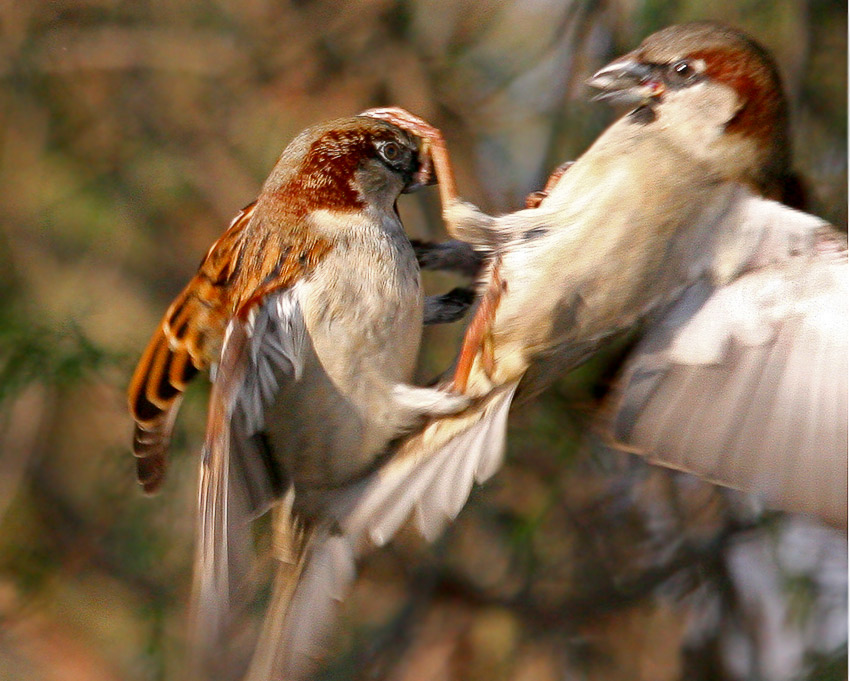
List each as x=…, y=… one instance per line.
x=695, y=119
x=706, y=105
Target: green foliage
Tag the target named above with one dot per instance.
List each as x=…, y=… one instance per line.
x=55, y=356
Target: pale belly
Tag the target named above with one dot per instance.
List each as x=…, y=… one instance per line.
x=328, y=427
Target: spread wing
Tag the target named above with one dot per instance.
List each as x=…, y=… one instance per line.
x=745, y=383
x=251, y=260
x=239, y=478
x=429, y=476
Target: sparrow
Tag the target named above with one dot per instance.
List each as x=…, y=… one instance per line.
x=670, y=222
x=308, y=313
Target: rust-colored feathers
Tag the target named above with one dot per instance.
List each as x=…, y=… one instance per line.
x=183, y=344
x=248, y=262
x=268, y=246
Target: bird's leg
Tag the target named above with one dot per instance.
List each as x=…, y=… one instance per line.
x=478, y=336
x=449, y=256
x=534, y=199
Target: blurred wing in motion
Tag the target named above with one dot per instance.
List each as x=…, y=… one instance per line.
x=308, y=585
x=239, y=478
x=432, y=473
x=745, y=384
x=430, y=476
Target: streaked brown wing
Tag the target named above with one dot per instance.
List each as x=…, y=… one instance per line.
x=240, y=270
x=183, y=344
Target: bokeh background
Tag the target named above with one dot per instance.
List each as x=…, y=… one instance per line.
x=130, y=134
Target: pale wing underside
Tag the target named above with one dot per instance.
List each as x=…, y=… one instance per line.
x=236, y=481
x=758, y=232
x=303, y=607
x=430, y=476
x=746, y=384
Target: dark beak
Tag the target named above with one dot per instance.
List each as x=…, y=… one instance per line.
x=423, y=172
x=626, y=81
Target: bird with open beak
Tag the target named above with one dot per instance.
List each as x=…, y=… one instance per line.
x=671, y=222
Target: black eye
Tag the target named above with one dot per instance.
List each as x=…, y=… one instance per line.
x=683, y=68
x=390, y=151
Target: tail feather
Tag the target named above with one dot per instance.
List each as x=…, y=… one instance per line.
x=315, y=569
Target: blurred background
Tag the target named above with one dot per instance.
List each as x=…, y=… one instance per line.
x=132, y=131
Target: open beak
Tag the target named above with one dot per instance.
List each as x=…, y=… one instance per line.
x=626, y=81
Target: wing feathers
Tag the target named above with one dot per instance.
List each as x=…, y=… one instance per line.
x=429, y=473
x=750, y=390
x=744, y=381
x=154, y=398
x=178, y=350
x=304, y=603
x=224, y=547
x=240, y=479
x=430, y=477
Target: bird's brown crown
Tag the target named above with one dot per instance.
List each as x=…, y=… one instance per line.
x=325, y=178
x=734, y=59
x=727, y=56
